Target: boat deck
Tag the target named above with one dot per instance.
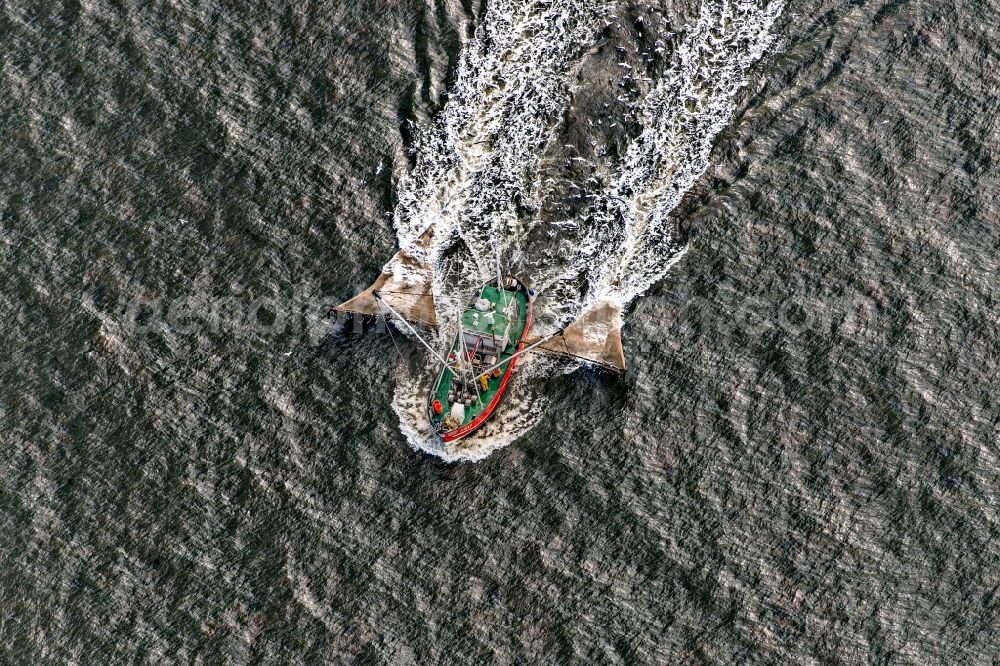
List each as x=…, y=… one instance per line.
x=500, y=297
x=474, y=321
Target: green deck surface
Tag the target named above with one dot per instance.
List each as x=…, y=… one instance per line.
x=474, y=320
x=499, y=297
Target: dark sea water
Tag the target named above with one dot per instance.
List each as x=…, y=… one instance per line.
x=800, y=467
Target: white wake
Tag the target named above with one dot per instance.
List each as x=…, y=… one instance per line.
x=478, y=178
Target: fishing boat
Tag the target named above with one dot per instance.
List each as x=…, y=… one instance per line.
x=491, y=337
x=493, y=332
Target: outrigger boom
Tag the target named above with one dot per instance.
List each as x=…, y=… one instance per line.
x=381, y=300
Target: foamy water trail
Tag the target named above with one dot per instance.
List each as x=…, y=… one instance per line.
x=681, y=116
x=474, y=165
x=475, y=180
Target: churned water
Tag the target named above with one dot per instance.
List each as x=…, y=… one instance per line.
x=796, y=204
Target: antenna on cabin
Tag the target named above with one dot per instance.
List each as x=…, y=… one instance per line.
x=499, y=271
x=500, y=287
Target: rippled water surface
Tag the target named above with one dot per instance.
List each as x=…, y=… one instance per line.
x=795, y=203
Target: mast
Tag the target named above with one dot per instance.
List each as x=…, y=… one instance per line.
x=381, y=300
x=499, y=271
x=466, y=361
x=500, y=287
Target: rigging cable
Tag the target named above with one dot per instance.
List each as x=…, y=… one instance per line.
x=393, y=338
